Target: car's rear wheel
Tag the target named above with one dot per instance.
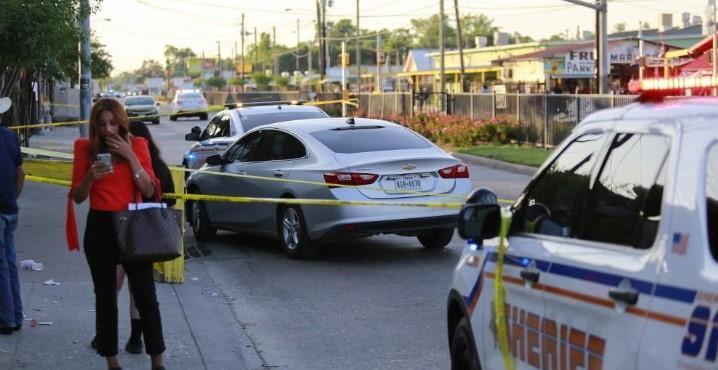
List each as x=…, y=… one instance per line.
x=173, y=117
x=203, y=117
x=156, y=122
x=293, y=233
x=200, y=222
x=436, y=238
x=463, y=351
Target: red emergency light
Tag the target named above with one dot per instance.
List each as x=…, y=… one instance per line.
x=678, y=83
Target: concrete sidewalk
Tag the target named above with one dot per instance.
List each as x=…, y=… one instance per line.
x=200, y=329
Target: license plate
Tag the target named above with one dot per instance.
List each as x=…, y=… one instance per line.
x=411, y=182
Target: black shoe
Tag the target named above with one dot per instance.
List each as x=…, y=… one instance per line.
x=134, y=346
x=94, y=344
x=7, y=330
x=159, y=368
x=17, y=328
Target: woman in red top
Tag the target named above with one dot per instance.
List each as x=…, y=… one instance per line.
x=111, y=189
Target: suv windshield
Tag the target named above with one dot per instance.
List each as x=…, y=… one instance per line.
x=251, y=121
x=370, y=139
x=190, y=96
x=140, y=101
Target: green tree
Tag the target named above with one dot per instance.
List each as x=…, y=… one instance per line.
x=476, y=25
x=426, y=32
x=281, y=81
x=237, y=81
x=150, y=68
x=178, y=59
x=261, y=79
x=517, y=38
x=217, y=82
x=619, y=27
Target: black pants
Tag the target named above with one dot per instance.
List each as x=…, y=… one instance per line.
x=103, y=257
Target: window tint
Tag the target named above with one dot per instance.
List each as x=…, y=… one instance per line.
x=190, y=96
x=625, y=202
x=554, y=200
x=286, y=146
x=251, y=121
x=245, y=148
x=370, y=139
x=712, y=199
x=217, y=127
x=139, y=101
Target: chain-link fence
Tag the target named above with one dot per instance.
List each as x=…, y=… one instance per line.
x=548, y=118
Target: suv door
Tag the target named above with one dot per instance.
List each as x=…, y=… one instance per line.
x=600, y=283
x=683, y=330
x=531, y=244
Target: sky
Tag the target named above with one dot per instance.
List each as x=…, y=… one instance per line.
x=136, y=30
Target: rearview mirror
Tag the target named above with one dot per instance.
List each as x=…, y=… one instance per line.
x=215, y=160
x=194, y=134
x=480, y=221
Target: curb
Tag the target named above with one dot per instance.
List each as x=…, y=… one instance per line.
x=493, y=163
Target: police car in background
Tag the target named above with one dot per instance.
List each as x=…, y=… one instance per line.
x=228, y=125
x=612, y=257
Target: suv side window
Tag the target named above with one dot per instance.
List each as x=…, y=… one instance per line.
x=286, y=146
x=624, y=206
x=712, y=199
x=223, y=127
x=554, y=200
x=213, y=128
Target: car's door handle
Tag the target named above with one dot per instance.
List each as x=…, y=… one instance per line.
x=278, y=173
x=629, y=297
x=532, y=276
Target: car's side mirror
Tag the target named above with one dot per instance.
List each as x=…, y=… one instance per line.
x=194, y=134
x=480, y=221
x=215, y=160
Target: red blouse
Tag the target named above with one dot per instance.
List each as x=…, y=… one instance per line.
x=113, y=192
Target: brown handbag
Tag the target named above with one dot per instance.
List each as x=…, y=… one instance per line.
x=148, y=235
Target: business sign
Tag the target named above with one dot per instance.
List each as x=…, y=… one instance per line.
x=580, y=63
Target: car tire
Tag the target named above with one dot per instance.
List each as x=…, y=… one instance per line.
x=173, y=117
x=436, y=238
x=463, y=350
x=293, y=234
x=203, y=117
x=156, y=122
x=201, y=228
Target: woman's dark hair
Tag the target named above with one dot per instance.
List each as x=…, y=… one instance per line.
x=138, y=128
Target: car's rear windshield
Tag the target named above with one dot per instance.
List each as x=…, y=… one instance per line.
x=371, y=139
x=140, y=101
x=251, y=121
x=190, y=96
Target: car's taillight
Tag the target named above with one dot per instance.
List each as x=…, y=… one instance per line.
x=347, y=178
x=459, y=171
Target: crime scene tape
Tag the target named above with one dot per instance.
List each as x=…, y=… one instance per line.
x=315, y=202
x=499, y=297
x=62, y=155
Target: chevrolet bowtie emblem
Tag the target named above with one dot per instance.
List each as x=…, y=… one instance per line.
x=409, y=167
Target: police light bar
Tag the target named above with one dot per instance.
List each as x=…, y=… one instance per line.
x=678, y=83
x=263, y=103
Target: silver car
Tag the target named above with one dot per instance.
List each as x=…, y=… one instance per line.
x=142, y=107
x=230, y=124
x=382, y=160
x=188, y=103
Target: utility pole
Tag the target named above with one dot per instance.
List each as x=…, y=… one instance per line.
x=219, y=60
x=275, y=56
x=379, y=61
x=256, y=46
x=358, y=52
x=324, y=36
x=85, y=72
x=343, y=59
x=320, y=38
x=241, y=61
x=296, y=66
x=602, y=66
x=460, y=43
x=442, y=70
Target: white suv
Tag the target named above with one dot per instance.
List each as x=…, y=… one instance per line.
x=612, y=256
x=188, y=103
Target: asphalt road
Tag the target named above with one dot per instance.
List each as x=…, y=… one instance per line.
x=374, y=303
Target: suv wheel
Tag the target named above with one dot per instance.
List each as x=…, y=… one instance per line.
x=436, y=238
x=293, y=233
x=173, y=117
x=463, y=351
x=200, y=222
x=203, y=117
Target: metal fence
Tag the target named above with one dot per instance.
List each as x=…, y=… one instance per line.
x=548, y=118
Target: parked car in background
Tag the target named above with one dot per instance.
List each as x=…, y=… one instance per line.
x=142, y=107
x=378, y=160
x=188, y=103
x=229, y=124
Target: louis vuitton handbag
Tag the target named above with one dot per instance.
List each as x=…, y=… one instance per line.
x=148, y=232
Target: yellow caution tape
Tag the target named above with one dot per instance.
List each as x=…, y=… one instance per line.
x=46, y=180
x=499, y=298
x=41, y=125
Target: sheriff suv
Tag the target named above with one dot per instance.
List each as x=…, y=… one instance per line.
x=228, y=125
x=612, y=254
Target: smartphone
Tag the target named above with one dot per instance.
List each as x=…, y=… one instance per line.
x=105, y=159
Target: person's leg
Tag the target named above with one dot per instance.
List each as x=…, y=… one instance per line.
x=7, y=306
x=12, y=268
x=134, y=344
x=101, y=254
x=142, y=286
